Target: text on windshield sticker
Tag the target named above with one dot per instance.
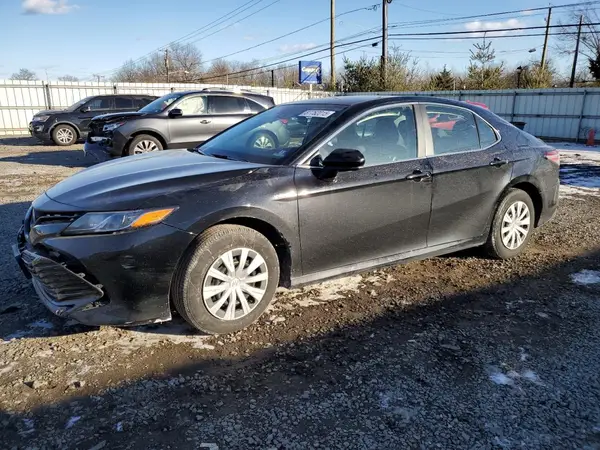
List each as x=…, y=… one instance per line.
x=316, y=113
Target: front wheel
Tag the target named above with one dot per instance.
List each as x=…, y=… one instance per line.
x=143, y=144
x=64, y=135
x=227, y=280
x=512, y=226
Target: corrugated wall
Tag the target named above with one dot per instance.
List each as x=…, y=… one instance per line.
x=20, y=100
x=548, y=113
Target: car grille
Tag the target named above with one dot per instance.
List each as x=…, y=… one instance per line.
x=34, y=217
x=61, y=284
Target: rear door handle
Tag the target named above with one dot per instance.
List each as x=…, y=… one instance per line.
x=417, y=175
x=498, y=162
x=205, y=121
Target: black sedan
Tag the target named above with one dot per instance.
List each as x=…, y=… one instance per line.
x=213, y=231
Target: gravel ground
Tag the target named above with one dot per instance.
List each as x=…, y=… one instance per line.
x=452, y=352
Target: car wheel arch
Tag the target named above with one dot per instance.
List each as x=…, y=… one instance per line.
x=71, y=124
x=531, y=187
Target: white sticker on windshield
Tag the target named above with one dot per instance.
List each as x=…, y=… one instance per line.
x=316, y=113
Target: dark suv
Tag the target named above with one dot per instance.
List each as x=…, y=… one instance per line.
x=180, y=120
x=65, y=127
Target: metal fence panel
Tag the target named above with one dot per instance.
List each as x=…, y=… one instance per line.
x=548, y=113
x=20, y=100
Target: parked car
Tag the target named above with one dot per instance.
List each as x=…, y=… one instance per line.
x=65, y=127
x=213, y=231
x=180, y=120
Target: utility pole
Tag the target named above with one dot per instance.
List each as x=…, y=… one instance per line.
x=384, y=39
x=167, y=64
x=572, y=83
x=332, y=43
x=272, y=78
x=543, y=63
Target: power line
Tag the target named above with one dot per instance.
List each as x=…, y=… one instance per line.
x=237, y=11
x=237, y=21
x=287, y=34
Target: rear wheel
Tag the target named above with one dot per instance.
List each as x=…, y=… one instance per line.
x=512, y=226
x=144, y=143
x=227, y=280
x=64, y=135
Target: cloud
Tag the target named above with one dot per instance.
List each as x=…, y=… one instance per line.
x=296, y=47
x=249, y=37
x=47, y=6
x=487, y=26
x=528, y=12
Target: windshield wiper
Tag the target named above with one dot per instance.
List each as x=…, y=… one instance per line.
x=216, y=155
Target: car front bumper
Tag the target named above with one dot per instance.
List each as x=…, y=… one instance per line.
x=97, y=149
x=39, y=131
x=112, y=279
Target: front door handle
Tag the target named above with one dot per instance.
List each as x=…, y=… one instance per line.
x=418, y=175
x=497, y=162
x=205, y=121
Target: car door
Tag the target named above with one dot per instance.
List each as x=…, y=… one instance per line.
x=227, y=110
x=470, y=167
x=93, y=108
x=194, y=125
x=377, y=211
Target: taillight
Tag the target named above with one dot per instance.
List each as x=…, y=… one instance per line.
x=553, y=155
x=283, y=121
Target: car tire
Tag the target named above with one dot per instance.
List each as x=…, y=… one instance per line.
x=64, y=135
x=205, y=269
x=144, y=143
x=263, y=140
x=512, y=226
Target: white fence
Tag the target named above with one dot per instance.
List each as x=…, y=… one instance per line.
x=553, y=114
x=20, y=100
x=548, y=113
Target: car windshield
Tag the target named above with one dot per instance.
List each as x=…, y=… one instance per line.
x=160, y=104
x=272, y=136
x=79, y=104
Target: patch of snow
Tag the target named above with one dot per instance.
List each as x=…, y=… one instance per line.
x=72, y=421
x=542, y=315
x=44, y=324
x=150, y=335
x=530, y=375
x=573, y=191
x=384, y=401
x=29, y=427
x=119, y=426
x=524, y=356
x=15, y=336
x=586, y=277
x=500, y=378
x=7, y=368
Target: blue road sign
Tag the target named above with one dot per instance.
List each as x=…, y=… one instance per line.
x=309, y=72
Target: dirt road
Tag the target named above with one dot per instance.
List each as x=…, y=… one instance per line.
x=452, y=352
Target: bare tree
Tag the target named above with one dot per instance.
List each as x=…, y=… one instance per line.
x=24, y=74
x=68, y=78
x=184, y=65
x=589, y=44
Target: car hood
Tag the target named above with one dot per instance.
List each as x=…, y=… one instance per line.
x=117, y=116
x=134, y=181
x=48, y=112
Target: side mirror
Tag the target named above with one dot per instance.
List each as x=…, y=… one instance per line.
x=343, y=159
x=175, y=112
x=85, y=109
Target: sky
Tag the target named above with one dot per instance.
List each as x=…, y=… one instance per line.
x=86, y=37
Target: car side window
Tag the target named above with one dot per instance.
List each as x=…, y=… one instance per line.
x=453, y=130
x=224, y=104
x=487, y=135
x=383, y=136
x=100, y=103
x=253, y=106
x=123, y=103
x=193, y=106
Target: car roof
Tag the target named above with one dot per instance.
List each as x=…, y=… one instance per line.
x=374, y=100
x=124, y=95
x=222, y=92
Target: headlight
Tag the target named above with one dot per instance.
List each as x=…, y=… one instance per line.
x=109, y=222
x=40, y=118
x=112, y=126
